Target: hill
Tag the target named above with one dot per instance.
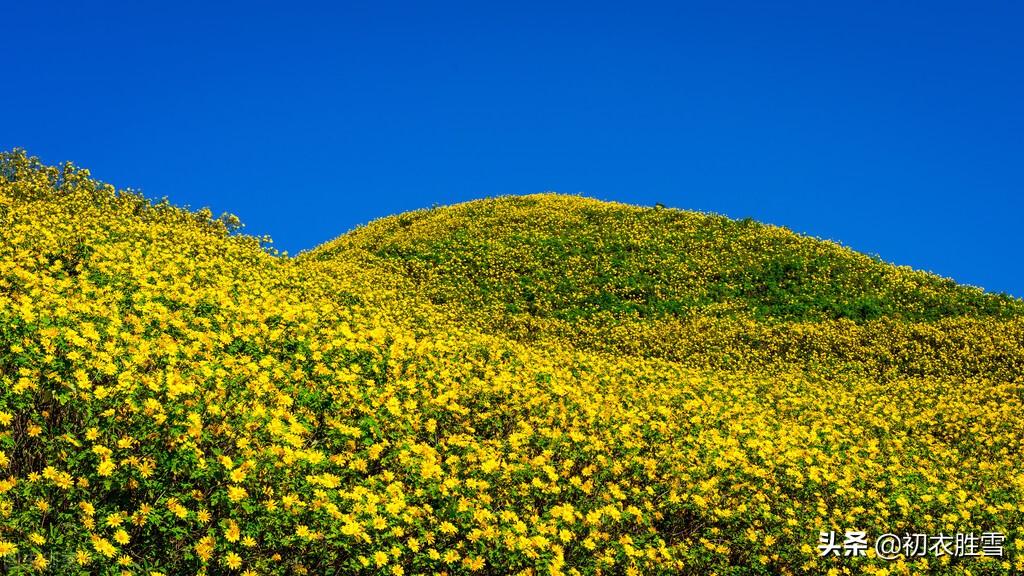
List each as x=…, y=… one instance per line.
x=571, y=258
x=426, y=395
x=687, y=286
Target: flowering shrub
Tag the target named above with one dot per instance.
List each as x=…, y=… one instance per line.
x=176, y=398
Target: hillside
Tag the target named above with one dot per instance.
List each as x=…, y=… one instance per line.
x=686, y=286
x=539, y=385
x=566, y=257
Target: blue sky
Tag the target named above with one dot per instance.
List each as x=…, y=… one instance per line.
x=894, y=128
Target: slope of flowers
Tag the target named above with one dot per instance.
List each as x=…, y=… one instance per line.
x=689, y=287
x=571, y=257
x=177, y=399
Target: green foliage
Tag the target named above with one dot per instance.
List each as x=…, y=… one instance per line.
x=572, y=258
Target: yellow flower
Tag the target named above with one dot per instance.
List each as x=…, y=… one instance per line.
x=351, y=528
x=451, y=556
x=204, y=547
x=236, y=493
x=82, y=557
x=106, y=467
x=7, y=549
x=103, y=546
x=232, y=532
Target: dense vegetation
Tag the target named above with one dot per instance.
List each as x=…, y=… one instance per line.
x=539, y=385
x=568, y=257
x=686, y=286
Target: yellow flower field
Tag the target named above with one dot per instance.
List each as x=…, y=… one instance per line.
x=542, y=385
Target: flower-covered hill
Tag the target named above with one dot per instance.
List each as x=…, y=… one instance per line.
x=571, y=257
x=177, y=398
x=688, y=286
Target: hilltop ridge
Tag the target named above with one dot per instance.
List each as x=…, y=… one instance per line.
x=564, y=256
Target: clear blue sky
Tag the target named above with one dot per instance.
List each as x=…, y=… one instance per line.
x=895, y=128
